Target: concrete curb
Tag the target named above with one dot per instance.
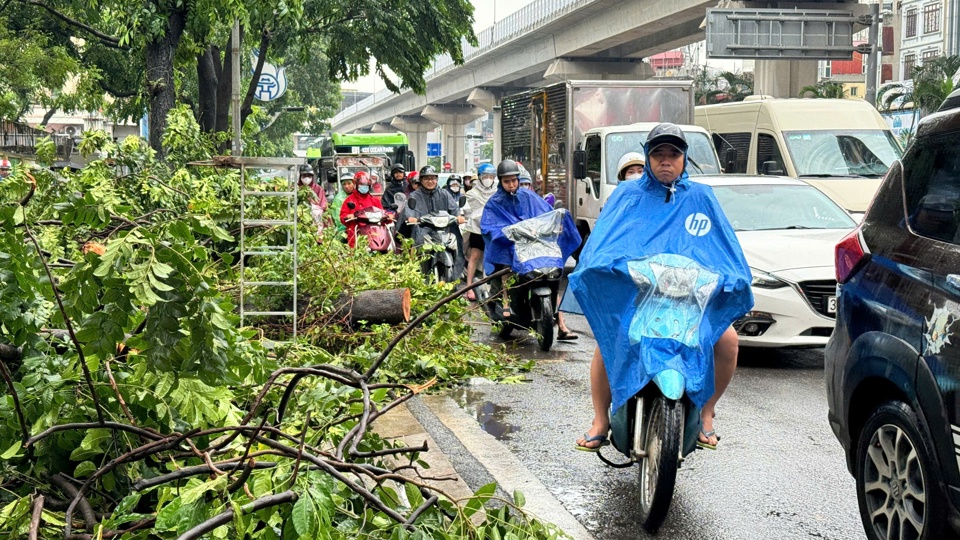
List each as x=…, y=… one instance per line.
x=505, y=468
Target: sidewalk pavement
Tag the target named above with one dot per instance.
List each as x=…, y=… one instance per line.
x=499, y=462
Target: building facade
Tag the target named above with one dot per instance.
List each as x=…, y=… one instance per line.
x=923, y=32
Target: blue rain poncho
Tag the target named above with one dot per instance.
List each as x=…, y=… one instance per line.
x=503, y=210
x=659, y=282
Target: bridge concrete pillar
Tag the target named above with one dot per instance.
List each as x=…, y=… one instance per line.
x=383, y=127
x=489, y=102
x=783, y=78
x=453, y=119
x=416, y=128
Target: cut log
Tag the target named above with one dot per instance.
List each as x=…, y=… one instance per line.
x=391, y=306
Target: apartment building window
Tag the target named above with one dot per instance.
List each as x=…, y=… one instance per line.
x=909, y=61
x=911, y=23
x=931, y=18
x=929, y=55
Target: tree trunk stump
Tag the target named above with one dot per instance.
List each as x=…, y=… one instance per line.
x=391, y=306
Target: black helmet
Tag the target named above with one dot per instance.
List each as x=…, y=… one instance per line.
x=306, y=169
x=428, y=170
x=508, y=167
x=454, y=178
x=398, y=167
x=666, y=133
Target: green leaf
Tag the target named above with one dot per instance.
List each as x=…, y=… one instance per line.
x=479, y=499
x=92, y=444
x=84, y=469
x=519, y=499
x=9, y=453
x=304, y=516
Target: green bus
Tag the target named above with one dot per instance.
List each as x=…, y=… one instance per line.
x=394, y=146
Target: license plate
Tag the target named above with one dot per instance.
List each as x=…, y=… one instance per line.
x=831, y=304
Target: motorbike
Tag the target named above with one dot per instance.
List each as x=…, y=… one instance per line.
x=533, y=293
x=374, y=224
x=658, y=427
x=433, y=231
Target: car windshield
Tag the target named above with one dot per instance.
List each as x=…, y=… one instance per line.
x=867, y=152
x=764, y=207
x=703, y=160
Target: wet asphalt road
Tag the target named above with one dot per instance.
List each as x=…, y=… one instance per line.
x=778, y=472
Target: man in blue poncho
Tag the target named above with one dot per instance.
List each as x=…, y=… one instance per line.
x=510, y=205
x=661, y=214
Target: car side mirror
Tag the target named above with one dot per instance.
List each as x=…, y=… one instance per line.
x=579, y=164
x=412, y=203
x=730, y=159
x=771, y=168
x=351, y=206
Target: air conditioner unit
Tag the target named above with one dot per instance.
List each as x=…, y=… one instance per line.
x=70, y=130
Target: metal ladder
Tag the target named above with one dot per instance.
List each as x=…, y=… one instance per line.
x=255, y=186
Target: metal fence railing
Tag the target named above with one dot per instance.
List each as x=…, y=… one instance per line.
x=530, y=17
x=21, y=140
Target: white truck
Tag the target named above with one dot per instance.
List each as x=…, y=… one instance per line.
x=595, y=164
x=542, y=129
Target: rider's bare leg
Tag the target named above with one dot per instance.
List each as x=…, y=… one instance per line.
x=474, y=258
x=725, y=363
x=600, y=394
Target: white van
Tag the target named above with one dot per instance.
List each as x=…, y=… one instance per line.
x=841, y=146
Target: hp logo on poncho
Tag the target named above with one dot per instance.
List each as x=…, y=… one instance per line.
x=698, y=224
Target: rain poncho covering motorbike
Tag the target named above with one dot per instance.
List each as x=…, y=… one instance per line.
x=659, y=282
x=503, y=210
x=536, y=241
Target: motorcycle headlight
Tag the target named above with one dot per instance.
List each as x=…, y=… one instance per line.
x=764, y=280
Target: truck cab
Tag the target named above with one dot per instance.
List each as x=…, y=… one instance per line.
x=595, y=165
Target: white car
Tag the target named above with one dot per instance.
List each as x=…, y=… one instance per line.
x=788, y=230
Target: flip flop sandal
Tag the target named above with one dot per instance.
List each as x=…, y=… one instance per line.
x=566, y=336
x=604, y=441
x=706, y=445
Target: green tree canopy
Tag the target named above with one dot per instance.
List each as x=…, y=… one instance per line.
x=153, y=49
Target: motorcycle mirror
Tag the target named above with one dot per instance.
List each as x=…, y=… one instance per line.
x=351, y=206
x=412, y=203
x=461, y=202
x=558, y=204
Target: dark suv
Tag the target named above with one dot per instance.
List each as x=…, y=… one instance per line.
x=893, y=361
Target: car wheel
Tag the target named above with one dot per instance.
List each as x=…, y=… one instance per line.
x=897, y=478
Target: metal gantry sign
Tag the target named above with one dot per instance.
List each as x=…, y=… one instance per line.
x=775, y=34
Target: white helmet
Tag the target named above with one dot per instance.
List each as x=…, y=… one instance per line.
x=628, y=159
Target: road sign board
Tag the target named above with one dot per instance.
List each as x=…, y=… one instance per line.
x=809, y=34
x=433, y=149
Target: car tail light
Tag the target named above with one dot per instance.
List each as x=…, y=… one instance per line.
x=849, y=255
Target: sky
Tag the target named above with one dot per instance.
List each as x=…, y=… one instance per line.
x=483, y=15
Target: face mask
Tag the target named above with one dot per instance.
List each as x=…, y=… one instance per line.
x=487, y=182
x=306, y=180
x=363, y=190
x=455, y=189
x=635, y=176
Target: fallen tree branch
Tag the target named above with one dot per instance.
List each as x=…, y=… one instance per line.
x=423, y=316
x=68, y=489
x=25, y=433
x=66, y=319
x=91, y=425
x=197, y=470
x=35, y=518
x=227, y=516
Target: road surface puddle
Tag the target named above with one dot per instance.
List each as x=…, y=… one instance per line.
x=490, y=415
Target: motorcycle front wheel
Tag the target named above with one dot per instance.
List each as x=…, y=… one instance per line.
x=658, y=469
x=543, y=313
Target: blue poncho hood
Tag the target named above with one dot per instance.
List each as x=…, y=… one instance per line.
x=504, y=209
x=636, y=227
